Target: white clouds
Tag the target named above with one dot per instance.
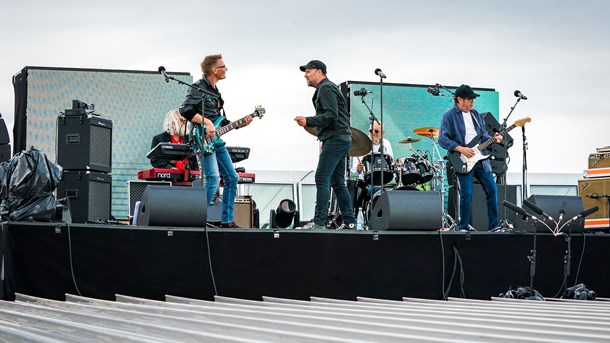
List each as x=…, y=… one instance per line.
x=555, y=53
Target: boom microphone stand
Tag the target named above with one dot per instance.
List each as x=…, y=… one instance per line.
x=382, y=76
x=372, y=119
x=191, y=140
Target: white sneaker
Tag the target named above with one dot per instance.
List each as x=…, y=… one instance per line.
x=311, y=226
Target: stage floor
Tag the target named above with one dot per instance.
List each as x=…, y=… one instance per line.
x=49, y=260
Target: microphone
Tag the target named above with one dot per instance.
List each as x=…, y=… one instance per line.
x=379, y=73
x=362, y=92
x=562, y=211
x=434, y=90
x=586, y=212
x=516, y=208
x=162, y=71
x=537, y=209
x=518, y=94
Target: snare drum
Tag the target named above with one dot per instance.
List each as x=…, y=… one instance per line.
x=407, y=171
x=377, y=167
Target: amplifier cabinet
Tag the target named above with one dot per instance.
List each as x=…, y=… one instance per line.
x=89, y=194
x=84, y=142
x=243, y=211
x=595, y=192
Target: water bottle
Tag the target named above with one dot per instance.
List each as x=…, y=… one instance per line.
x=360, y=220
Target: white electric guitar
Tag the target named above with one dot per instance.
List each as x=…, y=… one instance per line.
x=464, y=165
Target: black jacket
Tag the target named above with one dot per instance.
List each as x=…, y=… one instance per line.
x=332, y=118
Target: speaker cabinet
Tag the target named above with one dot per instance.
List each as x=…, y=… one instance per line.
x=89, y=194
x=243, y=211
x=84, y=143
x=478, y=209
x=135, y=190
x=173, y=206
x=596, y=192
x=552, y=204
x=406, y=210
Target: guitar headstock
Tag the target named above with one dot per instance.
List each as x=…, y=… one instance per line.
x=259, y=111
x=523, y=121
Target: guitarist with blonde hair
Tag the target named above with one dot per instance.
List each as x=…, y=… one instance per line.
x=461, y=128
x=207, y=109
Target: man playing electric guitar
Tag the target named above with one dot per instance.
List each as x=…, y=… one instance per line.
x=205, y=109
x=460, y=125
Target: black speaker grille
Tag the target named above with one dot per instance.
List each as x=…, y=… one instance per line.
x=101, y=145
x=99, y=200
x=136, y=190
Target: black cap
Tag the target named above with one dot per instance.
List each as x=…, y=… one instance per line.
x=464, y=91
x=314, y=64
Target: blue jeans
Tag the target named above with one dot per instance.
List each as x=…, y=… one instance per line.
x=331, y=173
x=491, y=192
x=220, y=161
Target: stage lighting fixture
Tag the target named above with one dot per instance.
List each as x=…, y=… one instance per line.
x=285, y=214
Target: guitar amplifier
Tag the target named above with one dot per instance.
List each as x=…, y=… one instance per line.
x=243, y=211
x=596, y=192
x=600, y=159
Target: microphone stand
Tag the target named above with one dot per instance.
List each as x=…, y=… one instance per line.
x=372, y=119
x=504, y=178
x=524, y=190
x=381, y=150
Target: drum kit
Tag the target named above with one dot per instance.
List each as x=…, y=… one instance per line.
x=408, y=172
x=414, y=172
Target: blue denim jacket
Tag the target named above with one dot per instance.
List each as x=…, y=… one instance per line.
x=453, y=131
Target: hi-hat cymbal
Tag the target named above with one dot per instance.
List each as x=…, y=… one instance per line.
x=409, y=140
x=431, y=132
x=361, y=143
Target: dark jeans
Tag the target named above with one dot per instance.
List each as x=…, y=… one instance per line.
x=331, y=173
x=491, y=192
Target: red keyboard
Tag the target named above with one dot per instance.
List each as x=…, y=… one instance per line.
x=175, y=175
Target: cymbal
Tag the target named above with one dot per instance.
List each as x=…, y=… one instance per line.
x=409, y=140
x=361, y=143
x=431, y=132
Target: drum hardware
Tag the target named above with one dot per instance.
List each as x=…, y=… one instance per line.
x=378, y=169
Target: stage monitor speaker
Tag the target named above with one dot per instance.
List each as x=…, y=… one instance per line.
x=5, y=152
x=89, y=194
x=478, y=209
x=84, y=143
x=173, y=206
x=552, y=204
x=135, y=190
x=406, y=210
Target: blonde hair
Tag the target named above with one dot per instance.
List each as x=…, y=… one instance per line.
x=174, y=123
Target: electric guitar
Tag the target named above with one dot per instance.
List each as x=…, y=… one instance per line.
x=209, y=144
x=463, y=165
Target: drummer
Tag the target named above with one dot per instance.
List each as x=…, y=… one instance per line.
x=357, y=162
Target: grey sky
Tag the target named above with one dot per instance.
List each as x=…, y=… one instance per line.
x=555, y=52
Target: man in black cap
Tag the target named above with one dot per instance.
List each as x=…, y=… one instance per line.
x=332, y=122
x=460, y=125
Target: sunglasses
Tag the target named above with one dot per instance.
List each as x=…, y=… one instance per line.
x=371, y=131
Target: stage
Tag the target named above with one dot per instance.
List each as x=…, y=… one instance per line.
x=49, y=260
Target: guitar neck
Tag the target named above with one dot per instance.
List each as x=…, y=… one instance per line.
x=488, y=142
x=234, y=124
